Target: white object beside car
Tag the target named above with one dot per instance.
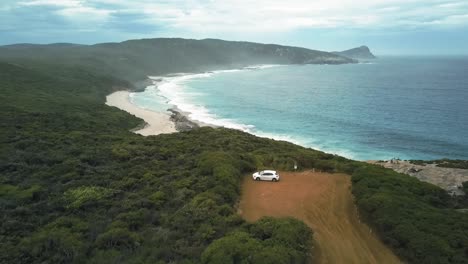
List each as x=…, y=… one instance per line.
x=266, y=175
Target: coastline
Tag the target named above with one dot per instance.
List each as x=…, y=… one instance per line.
x=184, y=119
x=176, y=120
x=449, y=179
x=173, y=119
x=155, y=122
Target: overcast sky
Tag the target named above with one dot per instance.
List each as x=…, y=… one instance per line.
x=386, y=26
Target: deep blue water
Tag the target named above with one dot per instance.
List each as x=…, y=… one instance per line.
x=408, y=108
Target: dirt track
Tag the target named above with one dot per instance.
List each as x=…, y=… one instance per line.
x=324, y=202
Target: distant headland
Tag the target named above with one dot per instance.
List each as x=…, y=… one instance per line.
x=359, y=53
x=134, y=60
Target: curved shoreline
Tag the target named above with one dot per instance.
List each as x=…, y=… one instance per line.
x=155, y=122
x=172, y=120
x=175, y=119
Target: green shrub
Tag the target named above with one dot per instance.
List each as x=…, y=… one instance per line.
x=57, y=245
x=118, y=238
x=85, y=195
x=413, y=217
x=268, y=240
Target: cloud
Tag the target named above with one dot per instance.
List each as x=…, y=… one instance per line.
x=281, y=16
x=60, y=3
x=85, y=14
x=214, y=18
x=54, y=15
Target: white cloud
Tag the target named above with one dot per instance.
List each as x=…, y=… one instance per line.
x=84, y=13
x=75, y=11
x=451, y=20
x=58, y=3
x=266, y=16
x=274, y=16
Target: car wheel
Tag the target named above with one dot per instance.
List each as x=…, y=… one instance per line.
x=257, y=179
x=274, y=179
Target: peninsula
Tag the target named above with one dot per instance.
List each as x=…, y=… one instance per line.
x=77, y=185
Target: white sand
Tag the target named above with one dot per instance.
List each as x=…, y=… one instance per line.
x=156, y=122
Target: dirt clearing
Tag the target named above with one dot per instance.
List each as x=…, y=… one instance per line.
x=324, y=202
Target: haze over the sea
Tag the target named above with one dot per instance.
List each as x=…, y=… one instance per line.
x=387, y=26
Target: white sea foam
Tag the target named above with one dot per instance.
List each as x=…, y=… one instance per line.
x=305, y=142
x=281, y=137
x=264, y=66
x=339, y=152
x=132, y=95
x=175, y=92
x=225, y=71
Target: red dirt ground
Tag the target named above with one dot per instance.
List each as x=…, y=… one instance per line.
x=325, y=203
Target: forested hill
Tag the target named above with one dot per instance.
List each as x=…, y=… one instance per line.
x=133, y=60
x=77, y=187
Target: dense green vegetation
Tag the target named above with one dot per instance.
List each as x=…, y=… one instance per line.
x=77, y=187
x=134, y=60
x=413, y=217
x=269, y=240
x=461, y=201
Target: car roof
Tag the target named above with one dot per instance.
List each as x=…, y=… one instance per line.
x=270, y=171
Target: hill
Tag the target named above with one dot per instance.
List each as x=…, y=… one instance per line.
x=77, y=187
x=134, y=60
x=359, y=53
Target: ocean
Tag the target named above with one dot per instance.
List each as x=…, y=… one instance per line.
x=391, y=107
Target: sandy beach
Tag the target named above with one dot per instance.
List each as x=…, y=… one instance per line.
x=156, y=122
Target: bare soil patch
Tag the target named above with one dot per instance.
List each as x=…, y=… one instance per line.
x=325, y=203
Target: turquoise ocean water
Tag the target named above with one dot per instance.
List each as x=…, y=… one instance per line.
x=392, y=107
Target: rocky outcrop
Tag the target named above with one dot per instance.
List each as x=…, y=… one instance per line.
x=359, y=53
x=449, y=179
x=182, y=123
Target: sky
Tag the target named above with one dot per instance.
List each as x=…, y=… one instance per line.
x=388, y=27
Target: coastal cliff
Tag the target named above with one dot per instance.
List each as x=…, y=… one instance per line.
x=134, y=60
x=78, y=187
x=359, y=53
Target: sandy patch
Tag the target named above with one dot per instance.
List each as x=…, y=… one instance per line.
x=325, y=203
x=156, y=122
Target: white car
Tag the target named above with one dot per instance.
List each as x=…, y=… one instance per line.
x=266, y=175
